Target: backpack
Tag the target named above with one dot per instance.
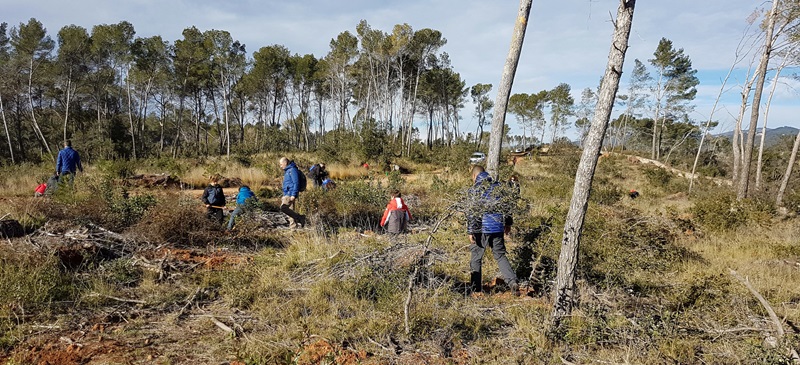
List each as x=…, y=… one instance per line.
x=212, y=195
x=301, y=181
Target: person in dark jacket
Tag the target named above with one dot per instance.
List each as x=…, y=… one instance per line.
x=68, y=162
x=486, y=226
x=318, y=174
x=214, y=199
x=291, y=191
x=245, y=195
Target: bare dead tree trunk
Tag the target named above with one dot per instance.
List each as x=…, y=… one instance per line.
x=565, y=290
x=737, y=132
x=504, y=89
x=711, y=118
x=5, y=126
x=225, y=113
x=761, y=75
x=33, y=113
x=788, y=174
x=66, y=106
x=759, y=163
x=130, y=112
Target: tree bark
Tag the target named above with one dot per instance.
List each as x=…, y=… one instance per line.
x=565, y=290
x=130, y=111
x=504, y=89
x=33, y=113
x=788, y=174
x=759, y=164
x=5, y=126
x=761, y=75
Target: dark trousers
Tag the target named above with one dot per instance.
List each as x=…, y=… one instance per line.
x=294, y=218
x=496, y=242
x=214, y=214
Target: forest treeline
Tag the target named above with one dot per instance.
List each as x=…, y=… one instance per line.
x=133, y=97
x=381, y=93
x=123, y=96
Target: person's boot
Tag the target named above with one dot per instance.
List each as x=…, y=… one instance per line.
x=514, y=289
x=475, y=282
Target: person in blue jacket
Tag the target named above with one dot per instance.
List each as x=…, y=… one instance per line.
x=68, y=162
x=292, y=185
x=486, y=226
x=245, y=195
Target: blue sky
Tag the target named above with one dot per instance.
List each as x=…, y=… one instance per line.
x=567, y=41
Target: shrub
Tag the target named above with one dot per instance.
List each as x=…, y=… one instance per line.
x=721, y=211
x=657, y=176
x=606, y=193
x=179, y=220
x=352, y=204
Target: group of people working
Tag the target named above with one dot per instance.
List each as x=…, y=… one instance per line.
x=486, y=229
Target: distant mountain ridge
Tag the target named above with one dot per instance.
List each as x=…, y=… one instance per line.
x=773, y=134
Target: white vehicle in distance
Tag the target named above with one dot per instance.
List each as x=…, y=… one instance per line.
x=477, y=157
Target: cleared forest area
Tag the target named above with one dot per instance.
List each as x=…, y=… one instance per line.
x=115, y=272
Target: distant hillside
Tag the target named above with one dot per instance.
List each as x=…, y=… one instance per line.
x=773, y=134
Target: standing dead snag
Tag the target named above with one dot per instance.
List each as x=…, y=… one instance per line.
x=761, y=75
x=504, y=89
x=565, y=291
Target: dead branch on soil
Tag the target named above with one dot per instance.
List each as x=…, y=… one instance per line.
x=420, y=262
x=135, y=301
x=774, y=317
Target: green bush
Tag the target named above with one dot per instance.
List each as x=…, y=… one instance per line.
x=721, y=211
x=352, y=204
x=657, y=176
x=606, y=193
x=29, y=284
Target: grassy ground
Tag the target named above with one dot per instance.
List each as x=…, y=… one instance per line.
x=102, y=278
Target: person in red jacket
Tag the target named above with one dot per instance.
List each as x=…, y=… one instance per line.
x=40, y=190
x=396, y=216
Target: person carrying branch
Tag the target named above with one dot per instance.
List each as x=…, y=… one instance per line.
x=214, y=199
x=486, y=227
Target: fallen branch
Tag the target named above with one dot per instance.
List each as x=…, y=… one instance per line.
x=407, y=304
x=222, y=326
x=136, y=301
x=189, y=301
x=413, y=276
x=774, y=317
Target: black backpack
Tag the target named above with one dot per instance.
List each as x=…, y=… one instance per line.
x=301, y=181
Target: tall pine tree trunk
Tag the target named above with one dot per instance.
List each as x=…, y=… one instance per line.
x=759, y=164
x=504, y=89
x=761, y=75
x=565, y=290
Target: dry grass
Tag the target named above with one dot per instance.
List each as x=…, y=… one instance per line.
x=346, y=172
x=671, y=301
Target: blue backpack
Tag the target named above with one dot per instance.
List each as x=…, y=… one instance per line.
x=301, y=181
